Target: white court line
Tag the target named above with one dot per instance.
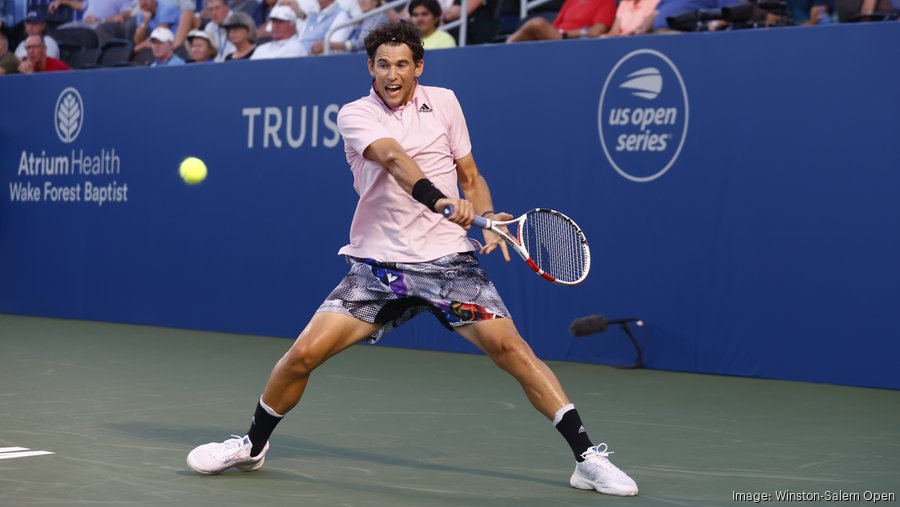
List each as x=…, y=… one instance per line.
x=19, y=452
x=10, y=455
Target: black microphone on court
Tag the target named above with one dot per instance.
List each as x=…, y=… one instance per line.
x=591, y=324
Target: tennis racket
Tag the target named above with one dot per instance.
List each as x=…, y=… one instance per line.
x=551, y=243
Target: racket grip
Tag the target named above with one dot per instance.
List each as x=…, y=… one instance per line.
x=479, y=220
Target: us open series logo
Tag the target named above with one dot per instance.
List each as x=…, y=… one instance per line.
x=643, y=115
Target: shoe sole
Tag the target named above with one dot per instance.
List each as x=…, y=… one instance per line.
x=248, y=467
x=578, y=482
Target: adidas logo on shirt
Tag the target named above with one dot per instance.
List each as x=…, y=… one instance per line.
x=425, y=109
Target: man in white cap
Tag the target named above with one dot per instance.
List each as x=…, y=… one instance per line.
x=161, y=43
x=285, y=42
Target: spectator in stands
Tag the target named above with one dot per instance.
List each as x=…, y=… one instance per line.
x=37, y=59
x=318, y=24
x=264, y=30
x=426, y=15
x=261, y=16
x=107, y=17
x=242, y=34
x=245, y=6
x=633, y=17
x=201, y=46
x=482, y=23
x=187, y=20
x=9, y=64
x=849, y=9
x=668, y=8
x=162, y=44
x=804, y=12
x=58, y=14
x=578, y=19
x=35, y=24
x=153, y=14
x=358, y=34
x=285, y=42
x=218, y=11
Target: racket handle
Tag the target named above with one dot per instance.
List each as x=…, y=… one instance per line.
x=479, y=220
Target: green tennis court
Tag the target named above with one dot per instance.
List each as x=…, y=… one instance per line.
x=120, y=406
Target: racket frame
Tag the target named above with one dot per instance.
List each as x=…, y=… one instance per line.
x=519, y=246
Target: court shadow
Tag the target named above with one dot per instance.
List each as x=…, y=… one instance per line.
x=291, y=446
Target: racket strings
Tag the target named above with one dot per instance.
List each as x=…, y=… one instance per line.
x=556, y=245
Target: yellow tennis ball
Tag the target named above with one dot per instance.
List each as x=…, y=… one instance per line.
x=192, y=170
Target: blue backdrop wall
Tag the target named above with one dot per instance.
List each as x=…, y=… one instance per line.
x=740, y=192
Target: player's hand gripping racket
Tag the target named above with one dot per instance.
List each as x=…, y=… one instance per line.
x=551, y=243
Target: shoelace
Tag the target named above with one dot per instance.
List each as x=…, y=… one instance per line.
x=596, y=453
x=231, y=446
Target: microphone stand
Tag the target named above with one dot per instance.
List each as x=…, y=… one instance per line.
x=639, y=362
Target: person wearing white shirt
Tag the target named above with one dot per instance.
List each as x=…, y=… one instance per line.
x=319, y=23
x=285, y=43
x=35, y=24
x=218, y=11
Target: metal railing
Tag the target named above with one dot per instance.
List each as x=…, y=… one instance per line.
x=525, y=6
x=462, y=22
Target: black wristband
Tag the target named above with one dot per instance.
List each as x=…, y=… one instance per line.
x=426, y=193
x=488, y=212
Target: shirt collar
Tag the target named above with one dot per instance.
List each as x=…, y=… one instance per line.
x=418, y=96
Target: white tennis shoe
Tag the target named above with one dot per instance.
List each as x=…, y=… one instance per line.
x=216, y=457
x=598, y=473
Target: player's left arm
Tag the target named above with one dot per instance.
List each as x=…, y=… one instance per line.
x=476, y=190
x=388, y=153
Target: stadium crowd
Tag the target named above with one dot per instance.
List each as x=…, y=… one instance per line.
x=50, y=35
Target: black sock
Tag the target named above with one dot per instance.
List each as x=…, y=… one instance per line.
x=573, y=431
x=261, y=428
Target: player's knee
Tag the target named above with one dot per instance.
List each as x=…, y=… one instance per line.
x=510, y=350
x=301, y=360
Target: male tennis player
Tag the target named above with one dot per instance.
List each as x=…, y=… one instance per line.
x=408, y=148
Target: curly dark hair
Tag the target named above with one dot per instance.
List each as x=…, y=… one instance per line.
x=398, y=31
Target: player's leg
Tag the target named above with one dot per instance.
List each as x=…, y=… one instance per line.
x=326, y=334
x=500, y=340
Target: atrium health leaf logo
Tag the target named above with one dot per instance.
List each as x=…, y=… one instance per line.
x=69, y=115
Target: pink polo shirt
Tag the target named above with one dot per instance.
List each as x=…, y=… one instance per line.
x=389, y=225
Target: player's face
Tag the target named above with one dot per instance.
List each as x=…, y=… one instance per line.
x=395, y=73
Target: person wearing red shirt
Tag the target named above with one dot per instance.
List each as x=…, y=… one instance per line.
x=577, y=19
x=37, y=59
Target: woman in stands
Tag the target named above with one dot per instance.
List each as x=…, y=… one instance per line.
x=242, y=33
x=201, y=46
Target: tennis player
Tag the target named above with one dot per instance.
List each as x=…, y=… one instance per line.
x=409, y=150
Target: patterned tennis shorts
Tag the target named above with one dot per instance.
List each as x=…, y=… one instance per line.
x=454, y=288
